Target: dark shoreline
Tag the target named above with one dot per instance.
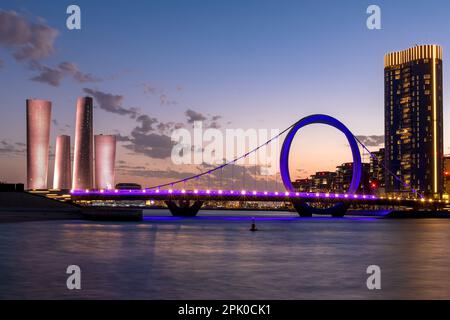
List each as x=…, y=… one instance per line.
x=132, y=214
x=39, y=208
x=35, y=207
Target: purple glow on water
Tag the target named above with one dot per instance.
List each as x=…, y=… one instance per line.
x=251, y=218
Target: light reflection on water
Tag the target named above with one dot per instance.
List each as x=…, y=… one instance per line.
x=214, y=256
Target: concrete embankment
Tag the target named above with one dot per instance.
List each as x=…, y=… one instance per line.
x=23, y=206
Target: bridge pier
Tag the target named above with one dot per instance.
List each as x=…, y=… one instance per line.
x=305, y=210
x=184, y=208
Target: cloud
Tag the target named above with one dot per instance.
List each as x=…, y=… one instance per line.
x=168, y=127
x=122, y=138
x=140, y=171
x=27, y=40
x=214, y=125
x=111, y=103
x=149, y=88
x=150, y=136
x=146, y=123
x=193, y=116
x=17, y=148
x=71, y=69
x=32, y=41
x=164, y=99
x=50, y=76
x=150, y=144
x=372, y=141
x=208, y=121
x=54, y=76
x=144, y=140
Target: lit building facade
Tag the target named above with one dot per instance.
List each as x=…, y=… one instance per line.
x=413, y=119
x=38, y=137
x=377, y=172
x=303, y=185
x=447, y=175
x=323, y=181
x=62, y=173
x=344, y=174
x=83, y=150
x=105, y=158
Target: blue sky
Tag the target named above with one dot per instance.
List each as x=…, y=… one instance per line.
x=257, y=64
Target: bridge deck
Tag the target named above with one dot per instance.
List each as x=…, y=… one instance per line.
x=230, y=195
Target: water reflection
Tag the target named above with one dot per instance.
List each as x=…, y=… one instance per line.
x=216, y=257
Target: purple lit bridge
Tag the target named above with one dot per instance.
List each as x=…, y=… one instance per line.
x=186, y=202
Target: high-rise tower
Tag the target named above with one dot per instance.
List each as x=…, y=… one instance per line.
x=62, y=178
x=413, y=119
x=83, y=150
x=38, y=137
x=105, y=157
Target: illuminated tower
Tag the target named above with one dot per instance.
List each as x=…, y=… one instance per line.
x=105, y=157
x=38, y=136
x=413, y=119
x=83, y=150
x=62, y=175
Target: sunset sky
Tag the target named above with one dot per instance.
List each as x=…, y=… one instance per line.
x=154, y=65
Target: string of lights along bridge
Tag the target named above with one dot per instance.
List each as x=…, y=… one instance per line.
x=183, y=202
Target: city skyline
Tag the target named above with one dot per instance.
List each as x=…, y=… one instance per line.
x=225, y=156
x=161, y=94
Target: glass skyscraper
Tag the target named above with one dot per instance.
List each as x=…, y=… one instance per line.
x=413, y=120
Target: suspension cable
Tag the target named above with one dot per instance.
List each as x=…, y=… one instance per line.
x=225, y=164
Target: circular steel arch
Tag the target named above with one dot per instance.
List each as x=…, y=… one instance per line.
x=333, y=122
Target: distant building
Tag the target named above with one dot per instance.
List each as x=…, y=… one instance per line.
x=38, y=137
x=323, y=181
x=377, y=171
x=447, y=174
x=83, y=150
x=105, y=158
x=303, y=185
x=413, y=119
x=62, y=174
x=344, y=174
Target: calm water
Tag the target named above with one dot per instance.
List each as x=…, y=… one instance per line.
x=214, y=256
